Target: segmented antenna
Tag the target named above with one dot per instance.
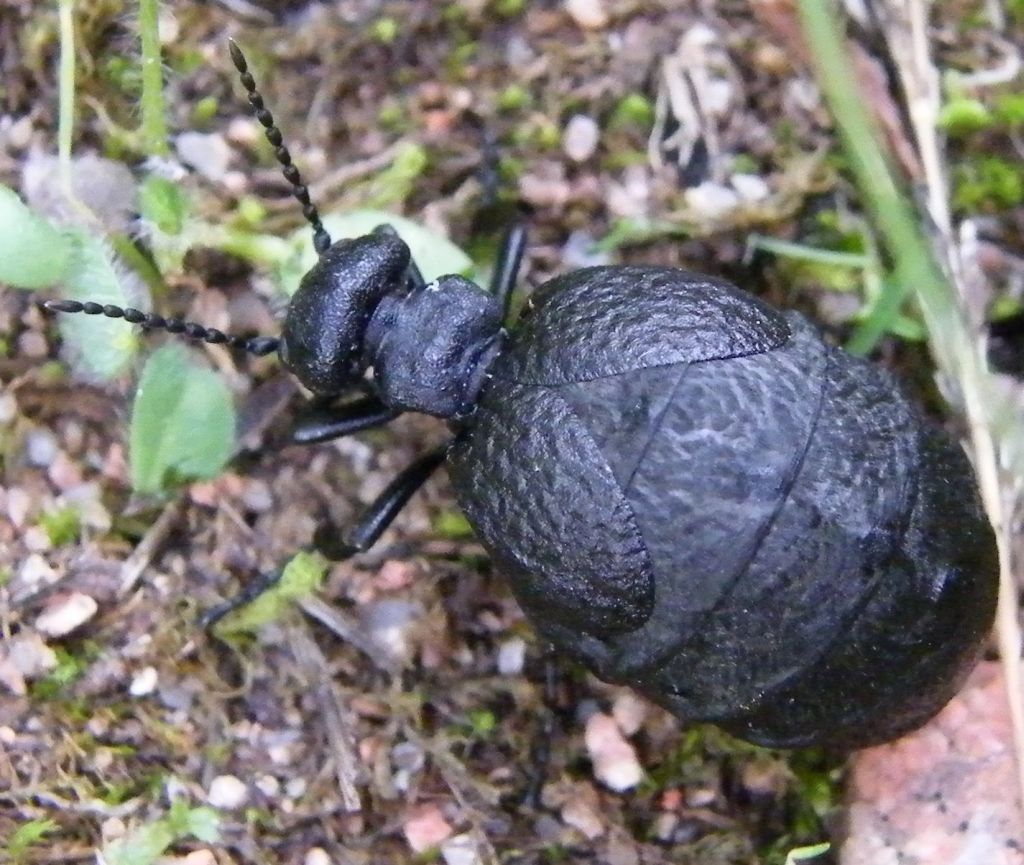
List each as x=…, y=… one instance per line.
x=257, y=345
x=321, y=239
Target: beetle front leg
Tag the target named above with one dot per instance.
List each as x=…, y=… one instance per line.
x=321, y=423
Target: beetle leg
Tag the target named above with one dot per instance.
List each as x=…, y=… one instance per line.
x=382, y=512
x=414, y=276
x=378, y=516
x=506, y=268
x=540, y=751
x=321, y=423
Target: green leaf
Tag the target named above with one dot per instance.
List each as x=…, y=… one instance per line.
x=142, y=847
x=302, y=576
x=183, y=422
x=147, y=844
x=204, y=824
x=33, y=253
x=802, y=854
x=27, y=835
x=435, y=255
x=452, y=525
x=164, y=204
x=105, y=346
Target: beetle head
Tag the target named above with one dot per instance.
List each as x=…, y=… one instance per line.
x=322, y=338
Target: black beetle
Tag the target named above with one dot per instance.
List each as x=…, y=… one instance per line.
x=690, y=491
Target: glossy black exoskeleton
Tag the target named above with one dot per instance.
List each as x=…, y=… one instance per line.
x=689, y=491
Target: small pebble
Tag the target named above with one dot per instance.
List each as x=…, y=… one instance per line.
x=581, y=816
x=268, y=785
x=581, y=250
x=19, y=136
x=243, y=130
x=390, y=623
x=144, y=682
x=665, y=826
x=614, y=759
x=751, y=187
x=227, y=791
x=317, y=856
x=169, y=32
x=63, y=472
x=36, y=572
x=712, y=200
x=8, y=408
x=37, y=539
x=112, y=828
x=10, y=679
x=295, y=787
x=629, y=712
x=30, y=656
x=235, y=183
x=207, y=153
x=257, y=497
x=41, y=447
x=18, y=504
x=588, y=14
x=621, y=852
x=461, y=850
x=579, y=140
x=200, y=857
x=511, y=657
x=67, y=613
x=426, y=828
x=32, y=344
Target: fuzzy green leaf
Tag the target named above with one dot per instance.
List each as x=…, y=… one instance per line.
x=183, y=422
x=435, y=255
x=105, y=347
x=33, y=253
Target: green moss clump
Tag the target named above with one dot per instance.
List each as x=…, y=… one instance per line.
x=988, y=183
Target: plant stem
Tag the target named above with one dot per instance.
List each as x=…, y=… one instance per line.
x=959, y=357
x=66, y=110
x=915, y=266
x=154, y=128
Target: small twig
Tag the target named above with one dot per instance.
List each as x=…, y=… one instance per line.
x=332, y=709
x=326, y=186
x=143, y=554
x=348, y=629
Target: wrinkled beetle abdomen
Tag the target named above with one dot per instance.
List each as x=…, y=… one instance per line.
x=693, y=494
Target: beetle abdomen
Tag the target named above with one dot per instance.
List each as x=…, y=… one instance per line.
x=814, y=561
